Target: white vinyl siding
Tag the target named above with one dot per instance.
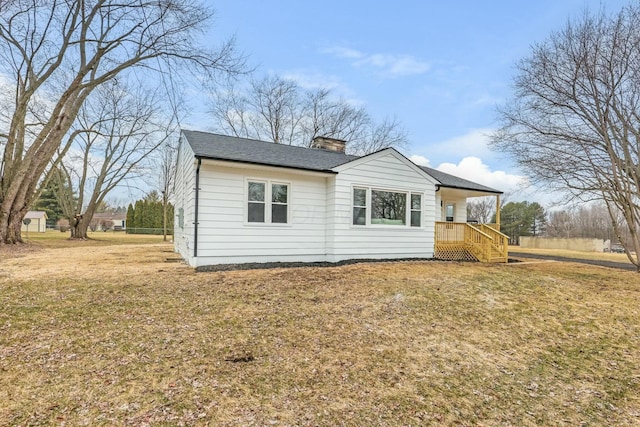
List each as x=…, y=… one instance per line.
x=184, y=201
x=224, y=235
x=385, y=171
x=319, y=212
x=455, y=197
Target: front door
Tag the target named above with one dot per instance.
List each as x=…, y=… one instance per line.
x=448, y=211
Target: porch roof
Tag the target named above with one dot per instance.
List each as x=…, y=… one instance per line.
x=451, y=181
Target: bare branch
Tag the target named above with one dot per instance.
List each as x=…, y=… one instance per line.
x=573, y=123
x=55, y=54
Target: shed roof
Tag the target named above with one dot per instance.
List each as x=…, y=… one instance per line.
x=230, y=148
x=36, y=215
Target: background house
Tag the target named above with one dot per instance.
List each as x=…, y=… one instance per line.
x=239, y=200
x=38, y=222
x=109, y=221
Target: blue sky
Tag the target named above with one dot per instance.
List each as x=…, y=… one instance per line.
x=439, y=67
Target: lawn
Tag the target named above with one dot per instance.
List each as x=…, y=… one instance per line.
x=118, y=333
x=606, y=256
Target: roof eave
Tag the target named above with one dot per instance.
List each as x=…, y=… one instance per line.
x=222, y=159
x=488, y=190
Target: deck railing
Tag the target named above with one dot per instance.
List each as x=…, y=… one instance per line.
x=500, y=242
x=462, y=241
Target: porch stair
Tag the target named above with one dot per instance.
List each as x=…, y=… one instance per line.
x=470, y=242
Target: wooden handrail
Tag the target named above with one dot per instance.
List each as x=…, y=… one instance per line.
x=500, y=240
x=495, y=228
x=480, y=240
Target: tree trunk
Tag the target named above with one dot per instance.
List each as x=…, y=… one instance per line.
x=164, y=217
x=11, y=228
x=79, y=227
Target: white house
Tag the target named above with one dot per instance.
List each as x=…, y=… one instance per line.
x=109, y=221
x=246, y=201
x=37, y=222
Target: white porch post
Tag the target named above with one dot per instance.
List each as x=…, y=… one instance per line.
x=498, y=210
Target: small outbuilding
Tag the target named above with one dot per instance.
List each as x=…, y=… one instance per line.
x=37, y=222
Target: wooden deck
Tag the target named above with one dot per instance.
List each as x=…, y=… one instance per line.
x=456, y=241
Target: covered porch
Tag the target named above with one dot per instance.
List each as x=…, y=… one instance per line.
x=458, y=238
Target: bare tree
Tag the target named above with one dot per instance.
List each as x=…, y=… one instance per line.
x=166, y=167
x=388, y=133
x=561, y=224
x=271, y=110
x=277, y=106
x=482, y=209
x=590, y=221
x=278, y=110
x=55, y=54
x=116, y=131
x=325, y=115
x=574, y=121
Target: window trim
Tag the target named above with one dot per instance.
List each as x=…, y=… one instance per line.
x=411, y=210
x=263, y=202
x=268, y=203
x=272, y=203
x=366, y=206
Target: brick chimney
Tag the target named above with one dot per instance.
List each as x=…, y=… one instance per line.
x=330, y=144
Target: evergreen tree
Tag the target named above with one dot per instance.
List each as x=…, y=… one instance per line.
x=138, y=214
x=170, y=217
x=152, y=196
x=148, y=214
x=159, y=216
x=522, y=219
x=131, y=222
x=48, y=202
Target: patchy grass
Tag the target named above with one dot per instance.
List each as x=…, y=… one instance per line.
x=56, y=239
x=114, y=334
x=607, y=256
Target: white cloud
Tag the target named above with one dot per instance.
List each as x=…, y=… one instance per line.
x=474, y=143
x=420, y=160
x=388, y=64
x=344, y=52
x=315, y=80
x=473, y=169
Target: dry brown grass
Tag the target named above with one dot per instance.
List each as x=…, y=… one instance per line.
x=605, y=256
x=116, y=335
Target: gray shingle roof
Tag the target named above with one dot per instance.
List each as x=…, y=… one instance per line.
x=231, y=148
x=221, y=147
x=452, y=181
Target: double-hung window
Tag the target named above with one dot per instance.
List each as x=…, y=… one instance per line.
x=416, y=209
x=279, y=203
x=359, y=206
x=267, y=202
x=256, y=206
